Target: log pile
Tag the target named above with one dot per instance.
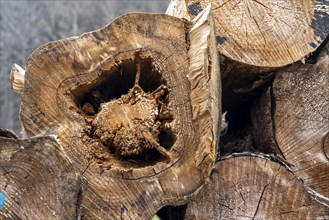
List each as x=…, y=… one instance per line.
x=126, y=122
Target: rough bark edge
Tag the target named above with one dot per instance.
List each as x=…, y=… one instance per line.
x=204, y=75
x=17, y=74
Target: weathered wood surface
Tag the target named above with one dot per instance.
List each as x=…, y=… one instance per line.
x=37, y=181
x=138, y=122
x=257, y=37
x=254, y=188
x=263, y=33
x=301, y=120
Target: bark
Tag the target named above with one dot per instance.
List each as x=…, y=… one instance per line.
x=254, y=187
x=37, y=180
x=300, y=116
x=135, y=107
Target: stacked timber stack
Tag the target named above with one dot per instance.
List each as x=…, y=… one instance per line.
x=124, y=122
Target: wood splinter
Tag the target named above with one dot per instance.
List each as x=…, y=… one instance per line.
x=17, y=74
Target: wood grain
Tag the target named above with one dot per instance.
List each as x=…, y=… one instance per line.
x=254, y=188
x=301, y=120
x=135, y=118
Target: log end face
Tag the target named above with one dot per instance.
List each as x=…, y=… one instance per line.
x=264, y=33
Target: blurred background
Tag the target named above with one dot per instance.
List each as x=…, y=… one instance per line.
x=27, y=24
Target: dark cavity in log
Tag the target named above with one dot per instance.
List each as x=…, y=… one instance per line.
x=127, y=110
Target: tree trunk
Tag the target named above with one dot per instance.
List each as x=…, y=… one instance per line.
x=135, y=108
x=258, y=37
x=37, y=180
x=253, y=187
x=262, y=33
x=301, y=120
x=124, y=122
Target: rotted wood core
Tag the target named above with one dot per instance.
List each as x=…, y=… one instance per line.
x=128, y=112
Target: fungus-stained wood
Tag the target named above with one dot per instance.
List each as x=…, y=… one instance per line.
x=36, y=180
x=263, y=33
x=254, y=188
x=301, y=120
x=135, y=118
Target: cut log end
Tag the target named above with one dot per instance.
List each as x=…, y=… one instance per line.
x=254, y=187
x=262, y=33
x=301, y=119
x=126, y=114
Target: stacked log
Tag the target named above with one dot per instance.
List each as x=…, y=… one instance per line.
x=124, y=122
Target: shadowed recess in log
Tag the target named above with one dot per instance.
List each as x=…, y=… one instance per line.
x=36, y=180
x=127, y=110
x=250, y=127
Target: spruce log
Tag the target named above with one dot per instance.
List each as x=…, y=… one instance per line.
x=137, y=120
x=301, y=120
x=253, y=187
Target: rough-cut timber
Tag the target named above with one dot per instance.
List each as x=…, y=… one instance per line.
x=257, y=37
x=36, y=180
x=136, y=119
x=17, y=74
x=301, y=120
x=263, y=33
x=253, y=188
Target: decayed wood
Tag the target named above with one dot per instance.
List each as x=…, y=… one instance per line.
x=36, y=180
x=254, y=188
x=263, y=33
x=17, y=78
x=138, y=123
x=301, y=120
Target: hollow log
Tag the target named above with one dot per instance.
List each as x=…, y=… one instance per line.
x=300, y=96
x=135, y=108
x=254, y=187
x=37, y=181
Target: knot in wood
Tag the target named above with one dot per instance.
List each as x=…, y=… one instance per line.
x=130, y=124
